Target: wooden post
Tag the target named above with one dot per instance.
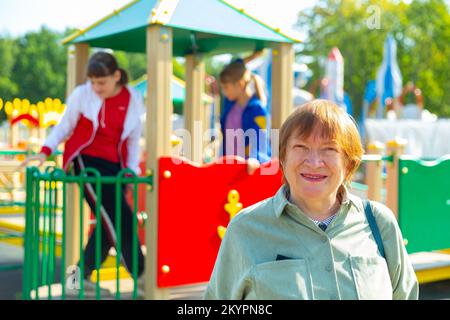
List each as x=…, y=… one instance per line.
x=216, y=143
x=395, y=148
x=76, y=75
x=282, y=83
x=33, y=140
x=374, y=178
x=158, y=142
x=42, y=134
x=14, y=135
x=206, y=105
x=194, y=111
x=76, y=65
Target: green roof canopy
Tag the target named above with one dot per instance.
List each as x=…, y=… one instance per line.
x=199, y=26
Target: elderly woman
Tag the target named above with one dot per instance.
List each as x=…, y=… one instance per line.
x=313, y=239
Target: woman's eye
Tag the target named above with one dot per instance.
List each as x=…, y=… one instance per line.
x=332, y=149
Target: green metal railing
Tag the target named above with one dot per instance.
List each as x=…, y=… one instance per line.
x=50, y=187
x=8, y=234
x=12, y=204
x=13, y=152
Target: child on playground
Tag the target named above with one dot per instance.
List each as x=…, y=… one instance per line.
x=103, y=127
x=244, y=118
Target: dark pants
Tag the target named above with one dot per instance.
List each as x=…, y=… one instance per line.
x=108, y=214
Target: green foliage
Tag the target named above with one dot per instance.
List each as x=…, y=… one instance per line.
x=422, y=32
x=213, y=67
x=8, y=89
x=40, y=66
x=8, y=50
x=178, y=69
x=34, y=66
x=134, y=63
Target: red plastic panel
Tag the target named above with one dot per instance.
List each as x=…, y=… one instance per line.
x=191, y=208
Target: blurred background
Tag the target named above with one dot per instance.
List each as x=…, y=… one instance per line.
x=359, y=42
x=31, y=31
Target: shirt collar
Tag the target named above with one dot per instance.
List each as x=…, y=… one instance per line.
x=280, y=200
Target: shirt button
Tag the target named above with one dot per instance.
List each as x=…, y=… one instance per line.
x=334, y=297
x=324, y=239
x=328, y=268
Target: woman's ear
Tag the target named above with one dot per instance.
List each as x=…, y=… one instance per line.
x=117, y=75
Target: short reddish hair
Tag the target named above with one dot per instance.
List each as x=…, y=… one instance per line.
x=334, y=124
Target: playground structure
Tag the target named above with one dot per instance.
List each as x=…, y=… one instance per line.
x=385, y=96
x=211, y=102
x=426, y=135
x=420, y=199
x=36, y=118
x=27, y=130
x=163, y=29
x=181, y=245
x=387, y=113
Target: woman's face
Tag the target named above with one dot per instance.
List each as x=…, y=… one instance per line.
x=313, y=167
x=232, y=90
x=105, y=87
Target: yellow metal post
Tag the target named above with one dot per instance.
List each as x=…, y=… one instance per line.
x=158, y=142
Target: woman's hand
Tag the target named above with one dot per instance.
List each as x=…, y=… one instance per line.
x=40, y=158
x=253, y=56
x=252, y=165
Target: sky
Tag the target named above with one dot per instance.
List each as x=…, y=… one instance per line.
x=20, y=16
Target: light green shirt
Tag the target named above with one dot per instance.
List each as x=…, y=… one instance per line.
x=342, y=262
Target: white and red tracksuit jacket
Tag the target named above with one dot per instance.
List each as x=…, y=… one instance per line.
x=80, y=124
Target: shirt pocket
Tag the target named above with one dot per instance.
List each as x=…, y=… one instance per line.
x=283, y=280
x=371, y=276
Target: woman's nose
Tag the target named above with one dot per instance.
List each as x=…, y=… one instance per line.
x=314, y=159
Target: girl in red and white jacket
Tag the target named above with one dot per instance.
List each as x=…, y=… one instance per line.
x=103, y=127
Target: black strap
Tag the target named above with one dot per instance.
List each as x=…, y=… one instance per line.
x=373, y=226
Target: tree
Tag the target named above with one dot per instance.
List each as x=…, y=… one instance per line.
x=420, y=28
x=8, y=50
x=41, y=66
x=8, y=89
x=134, y=63
x=427, y=53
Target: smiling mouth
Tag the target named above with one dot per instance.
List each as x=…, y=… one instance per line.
x=313, y=177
